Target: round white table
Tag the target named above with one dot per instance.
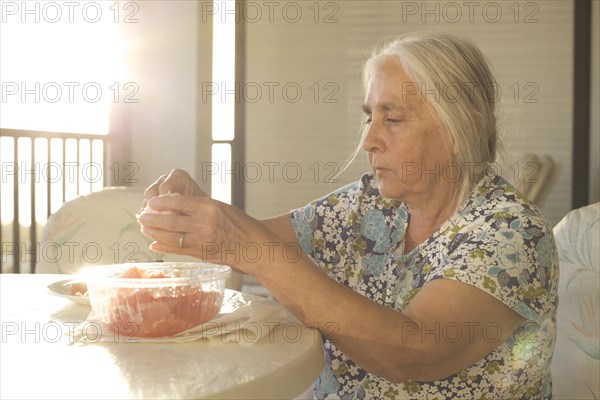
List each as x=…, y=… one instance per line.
x=40, y=359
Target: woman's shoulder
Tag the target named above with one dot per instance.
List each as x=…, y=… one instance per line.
x=495, y=198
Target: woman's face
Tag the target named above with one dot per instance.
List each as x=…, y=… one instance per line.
x=409, y=154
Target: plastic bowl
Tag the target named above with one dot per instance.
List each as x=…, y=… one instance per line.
x=156, y=299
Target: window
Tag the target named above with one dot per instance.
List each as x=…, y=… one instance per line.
x=60, y=68
x=224, y=98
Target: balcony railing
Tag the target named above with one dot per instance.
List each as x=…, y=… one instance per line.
x=40, y=171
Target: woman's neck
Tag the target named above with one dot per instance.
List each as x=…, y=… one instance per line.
x=426, y=219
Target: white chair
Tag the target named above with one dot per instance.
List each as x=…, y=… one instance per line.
x=98, y=229
x=576, y=361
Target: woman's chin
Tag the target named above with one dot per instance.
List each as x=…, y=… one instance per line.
x=389, y=192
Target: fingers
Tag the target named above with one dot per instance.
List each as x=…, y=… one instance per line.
x=177, y=181
x=153, y=189
x=190, y=243
x=206, y=229
x=179, y=213
x=180, y=204
x=185, y=251
x=187, y=225
x=169, y=239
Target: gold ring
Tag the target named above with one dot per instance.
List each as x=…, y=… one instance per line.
x=181, y=237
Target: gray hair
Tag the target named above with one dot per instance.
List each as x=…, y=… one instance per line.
x=454, y=77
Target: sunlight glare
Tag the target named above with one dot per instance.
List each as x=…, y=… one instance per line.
x=61, y=73
x=223, y=72
x=221, y=183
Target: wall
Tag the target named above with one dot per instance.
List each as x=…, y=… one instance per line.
x=163, y=61
x=529, y=45
x=314, y=134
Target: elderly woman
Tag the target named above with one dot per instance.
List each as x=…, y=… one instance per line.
x=430, y=277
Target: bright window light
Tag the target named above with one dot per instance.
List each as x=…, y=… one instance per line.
x=24, y=184
x=60, y=62
x=61, y=67
x=6, y=194
x=223, y=71
x=221, y=182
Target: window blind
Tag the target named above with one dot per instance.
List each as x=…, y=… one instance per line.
x=303, y=91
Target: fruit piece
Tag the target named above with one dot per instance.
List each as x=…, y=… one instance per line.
x=78, y=289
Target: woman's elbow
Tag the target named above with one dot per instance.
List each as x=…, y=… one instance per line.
x=422, y=364
x=398, y=370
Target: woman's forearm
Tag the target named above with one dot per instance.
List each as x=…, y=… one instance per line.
x=365, y=331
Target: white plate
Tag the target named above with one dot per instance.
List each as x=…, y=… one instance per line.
x=63, y=289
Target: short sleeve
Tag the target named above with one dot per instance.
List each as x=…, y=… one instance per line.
x=509, y=253
x=320, y=224
x=329, y=229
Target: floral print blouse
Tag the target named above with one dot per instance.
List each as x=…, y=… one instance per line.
x=497, y=241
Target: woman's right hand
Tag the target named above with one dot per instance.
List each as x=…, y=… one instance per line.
x=177, y=181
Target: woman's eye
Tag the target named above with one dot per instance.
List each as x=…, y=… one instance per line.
x=393, y=121
x=368, y=120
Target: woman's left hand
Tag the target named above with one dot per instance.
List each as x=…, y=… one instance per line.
x=206, y=229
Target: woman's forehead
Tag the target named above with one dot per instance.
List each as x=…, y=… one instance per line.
x=389, y=68
x=391, y=80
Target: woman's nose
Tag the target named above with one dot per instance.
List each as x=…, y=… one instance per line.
x=371, y=138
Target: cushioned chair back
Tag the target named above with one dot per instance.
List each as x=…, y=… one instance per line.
x=99, y=229
x=96, y=229
x=576, y=361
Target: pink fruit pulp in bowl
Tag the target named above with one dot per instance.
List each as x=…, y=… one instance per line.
x=156, y=299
